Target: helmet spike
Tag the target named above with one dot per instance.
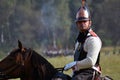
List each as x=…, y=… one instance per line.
x=83, y=13
x=83, y=2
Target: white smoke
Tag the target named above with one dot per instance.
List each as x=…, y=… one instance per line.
x=49, y=19
x=49, y=15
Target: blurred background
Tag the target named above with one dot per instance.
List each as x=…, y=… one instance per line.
x=49, y=24
x=48, y=27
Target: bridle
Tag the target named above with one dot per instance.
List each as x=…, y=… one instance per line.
x=20, y=63
x=4, y=75
x=25, y=54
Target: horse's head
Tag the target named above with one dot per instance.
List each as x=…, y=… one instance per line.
x=25, y=64
x=12, y=65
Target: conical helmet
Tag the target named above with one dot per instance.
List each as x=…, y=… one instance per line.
x=83, y=13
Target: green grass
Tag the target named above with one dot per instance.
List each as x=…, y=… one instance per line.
x=61, y=62
x=111, y=65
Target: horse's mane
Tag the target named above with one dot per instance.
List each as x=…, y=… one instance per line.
x=45, y=68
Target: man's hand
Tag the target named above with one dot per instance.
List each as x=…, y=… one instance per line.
x=70, y=65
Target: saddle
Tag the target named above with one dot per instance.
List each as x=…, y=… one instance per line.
x=61, y=76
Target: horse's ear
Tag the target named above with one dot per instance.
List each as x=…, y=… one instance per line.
x=19, y=44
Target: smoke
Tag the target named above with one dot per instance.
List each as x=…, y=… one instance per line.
x=49, y=19
x=49, y=15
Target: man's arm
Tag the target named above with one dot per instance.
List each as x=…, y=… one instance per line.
x=92, y=46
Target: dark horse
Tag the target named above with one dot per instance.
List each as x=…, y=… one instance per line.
x=26, y=64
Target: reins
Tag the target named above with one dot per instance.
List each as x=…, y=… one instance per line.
x=60, y=69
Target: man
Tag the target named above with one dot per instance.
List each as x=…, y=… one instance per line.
x=88, y=45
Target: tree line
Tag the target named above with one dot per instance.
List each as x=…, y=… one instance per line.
x=50, y=23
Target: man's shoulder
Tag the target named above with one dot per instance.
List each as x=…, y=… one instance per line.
x=93, y=39
x=92, y=33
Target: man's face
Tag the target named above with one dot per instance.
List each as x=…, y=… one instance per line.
x=83, y=25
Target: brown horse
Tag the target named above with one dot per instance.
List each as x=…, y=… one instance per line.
x=26, y=64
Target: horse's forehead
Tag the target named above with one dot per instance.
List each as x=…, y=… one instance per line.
x=16, y=50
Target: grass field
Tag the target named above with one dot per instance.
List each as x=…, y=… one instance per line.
x=110, y=64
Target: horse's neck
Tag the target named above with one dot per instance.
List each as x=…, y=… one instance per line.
x=44, y=68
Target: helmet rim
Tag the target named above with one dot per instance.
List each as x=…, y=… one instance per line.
x=83, y=14
x=82, y=19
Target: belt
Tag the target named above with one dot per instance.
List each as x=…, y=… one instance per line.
x=88, y=70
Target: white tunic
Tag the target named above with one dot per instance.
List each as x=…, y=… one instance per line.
x=92, y=46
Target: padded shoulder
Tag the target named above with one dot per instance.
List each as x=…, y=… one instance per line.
x=93, y=33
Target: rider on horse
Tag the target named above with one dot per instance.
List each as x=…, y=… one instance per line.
x=87, y=48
